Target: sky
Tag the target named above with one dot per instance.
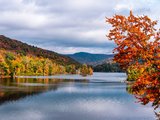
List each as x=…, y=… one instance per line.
x=68, y=26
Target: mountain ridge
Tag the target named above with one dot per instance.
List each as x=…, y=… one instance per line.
x=17, y=46
x=90, y=58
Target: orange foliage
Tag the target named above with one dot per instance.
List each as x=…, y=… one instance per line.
x=138, y=45
x=132, y=36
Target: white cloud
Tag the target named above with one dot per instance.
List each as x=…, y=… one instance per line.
x=71, y=24
x=122, y=7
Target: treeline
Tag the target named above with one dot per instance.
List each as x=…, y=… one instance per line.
x=86, y=70
x=13, y=64
x=25, y=49
x=108, y=67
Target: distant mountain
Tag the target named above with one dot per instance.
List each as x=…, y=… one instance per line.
x=99, y=62
x=105, y=61
x=88, y=58
x=25, y=49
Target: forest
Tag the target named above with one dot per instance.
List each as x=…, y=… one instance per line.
x=13, y=64
x=18, y=58
x=108, y=67
x=24, y=49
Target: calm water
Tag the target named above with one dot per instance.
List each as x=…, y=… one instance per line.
x=102, y=96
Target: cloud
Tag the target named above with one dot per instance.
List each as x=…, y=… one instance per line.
x=74, y=25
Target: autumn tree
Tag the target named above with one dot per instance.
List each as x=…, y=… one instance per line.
x=4, y=68
x=9, y=58
x=134, y=37
x=86, y=70
x=71, y=69
x=90, y=71
x=138, y=52
x=13, y=64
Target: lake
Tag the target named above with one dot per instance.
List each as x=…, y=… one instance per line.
x=102, y=96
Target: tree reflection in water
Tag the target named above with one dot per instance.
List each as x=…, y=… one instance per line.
x=147, y=93
x=19, y=88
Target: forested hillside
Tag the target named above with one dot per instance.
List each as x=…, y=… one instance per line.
x=17, y=58
x=108, y=67
x=25, y=49
x=12, y=64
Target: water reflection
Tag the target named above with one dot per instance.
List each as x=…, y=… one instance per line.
x=69, y=99
x=18, y=88
x=146, y=94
